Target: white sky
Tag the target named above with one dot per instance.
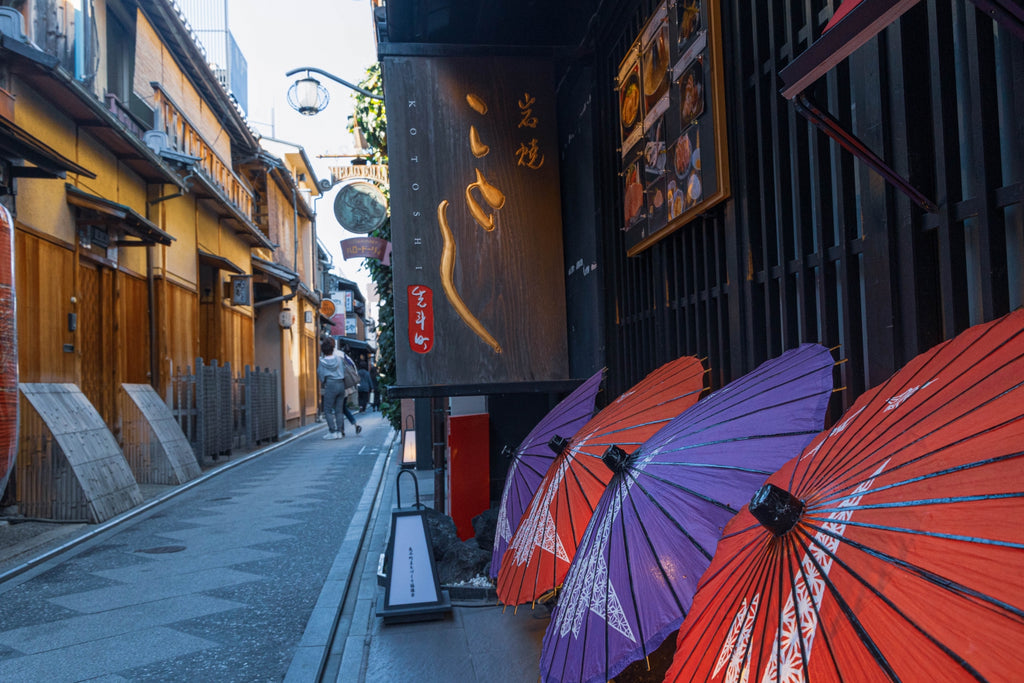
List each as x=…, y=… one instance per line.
x=333, y=35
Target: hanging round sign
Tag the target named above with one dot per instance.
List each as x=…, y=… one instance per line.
x=360, y=207
x=327, y=308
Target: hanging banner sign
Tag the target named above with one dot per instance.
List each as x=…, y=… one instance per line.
x=364, y=247
x=338, y=324
x=375, y=172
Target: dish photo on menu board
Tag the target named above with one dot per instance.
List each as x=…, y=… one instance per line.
x=684, y=186
x=688, y=20
x=691, y=92
x=631, y=112
x=655, y=67
x=633, y=194
x=655, y=185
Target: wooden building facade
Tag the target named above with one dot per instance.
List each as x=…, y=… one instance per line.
x=143, y=204
x=810, y=243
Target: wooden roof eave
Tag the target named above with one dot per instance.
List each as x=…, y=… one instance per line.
x=89, y=113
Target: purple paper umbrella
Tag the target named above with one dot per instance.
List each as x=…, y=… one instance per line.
x=658, y=522
x=533, y=457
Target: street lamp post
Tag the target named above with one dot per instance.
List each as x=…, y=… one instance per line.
x=308, y=97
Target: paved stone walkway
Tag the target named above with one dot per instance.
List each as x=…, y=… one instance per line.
x=215, y=584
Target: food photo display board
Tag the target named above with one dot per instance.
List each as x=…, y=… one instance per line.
x=674, y=163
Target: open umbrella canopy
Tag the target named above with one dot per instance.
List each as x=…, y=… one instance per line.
x=538, y=556
x=534, y=456
x=891, y=548
x=656, y=526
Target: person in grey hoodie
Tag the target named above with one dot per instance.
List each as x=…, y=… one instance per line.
x=331, y=373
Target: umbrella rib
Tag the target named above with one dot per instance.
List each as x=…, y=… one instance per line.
x=919, y=532
x=854, y=622
x=868, y=448
x=735, y=439
x=931, y=475
x=921, y=502
x=621, y=492
x=529, y=465
x=677, y=525
x=843, y=492
x=679, y=486
x=823, y=624
x=705, y=426
x=855, y=477
x=929, y=576
x=889, y=603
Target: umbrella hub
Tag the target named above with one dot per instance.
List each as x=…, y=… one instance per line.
x=617, y=459
x=777, y=509
x=558, y=444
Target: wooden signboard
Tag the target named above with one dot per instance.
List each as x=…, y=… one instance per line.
x=676, y=166
x=476, y=221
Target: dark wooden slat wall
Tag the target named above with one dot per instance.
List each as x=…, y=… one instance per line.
x=812, y=245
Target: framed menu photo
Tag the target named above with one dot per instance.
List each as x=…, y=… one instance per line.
x=684, y=131
x=654, y=63
x=631, y=101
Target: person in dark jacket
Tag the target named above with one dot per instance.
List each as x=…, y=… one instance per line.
x=375, y=387
x=364, y=386
x=331, y=373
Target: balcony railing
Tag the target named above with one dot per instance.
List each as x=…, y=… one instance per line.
x=184, y=138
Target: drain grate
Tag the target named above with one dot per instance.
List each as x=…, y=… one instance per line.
x=162, y=549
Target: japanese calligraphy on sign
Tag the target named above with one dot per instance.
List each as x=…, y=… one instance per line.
x=476, y=217
x=421, y=318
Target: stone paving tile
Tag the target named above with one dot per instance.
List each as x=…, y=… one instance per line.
x=98, y=657
x=123, y=595
x=184, y=563
x=82, y=629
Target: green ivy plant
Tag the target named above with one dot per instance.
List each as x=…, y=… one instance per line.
x=371, y=119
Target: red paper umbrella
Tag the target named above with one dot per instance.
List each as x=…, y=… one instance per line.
x=8, y=351
x=541, y=549
x=892, y=548
x=534, y=456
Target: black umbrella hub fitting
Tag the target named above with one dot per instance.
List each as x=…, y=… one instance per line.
x=558, y=444
x=617, y=459
x=776, y=509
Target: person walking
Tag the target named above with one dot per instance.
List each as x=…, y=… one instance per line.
x=364, y=386
x=351, y=386
x=375, y=387
x=331, y=373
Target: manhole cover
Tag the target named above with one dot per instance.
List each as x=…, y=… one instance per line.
x=162, y=549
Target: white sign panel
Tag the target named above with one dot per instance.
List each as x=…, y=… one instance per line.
x=411, y=577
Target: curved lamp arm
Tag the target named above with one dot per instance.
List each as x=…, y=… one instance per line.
x=336, y=80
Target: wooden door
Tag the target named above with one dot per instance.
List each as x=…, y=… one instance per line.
x=97, y=345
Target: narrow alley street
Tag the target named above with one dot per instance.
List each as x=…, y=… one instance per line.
x=216, y=583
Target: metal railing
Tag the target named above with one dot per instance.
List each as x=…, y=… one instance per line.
x=219, y=412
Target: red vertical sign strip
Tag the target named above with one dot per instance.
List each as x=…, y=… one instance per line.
x=421, y=318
